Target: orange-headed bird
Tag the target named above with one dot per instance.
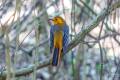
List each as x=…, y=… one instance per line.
x=59, y=39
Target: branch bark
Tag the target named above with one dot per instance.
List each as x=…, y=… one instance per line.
x=80, y=37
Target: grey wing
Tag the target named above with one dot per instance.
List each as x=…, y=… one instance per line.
x=65, y=38
x=51, y=38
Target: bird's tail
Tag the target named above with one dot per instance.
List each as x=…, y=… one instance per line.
x=56, y=56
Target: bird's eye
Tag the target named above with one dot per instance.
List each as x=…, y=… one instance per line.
x=56, y=19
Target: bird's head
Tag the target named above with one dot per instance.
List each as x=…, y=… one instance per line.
x=59, y=21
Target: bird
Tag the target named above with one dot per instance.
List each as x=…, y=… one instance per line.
x=59, y=39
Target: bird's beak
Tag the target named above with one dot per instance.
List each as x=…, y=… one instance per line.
x=51, y=21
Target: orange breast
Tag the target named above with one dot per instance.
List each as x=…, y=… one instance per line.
x=58, y=38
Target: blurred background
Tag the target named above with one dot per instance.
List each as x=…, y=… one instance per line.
x=24, y=40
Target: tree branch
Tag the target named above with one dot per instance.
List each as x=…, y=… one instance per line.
x=80, y=37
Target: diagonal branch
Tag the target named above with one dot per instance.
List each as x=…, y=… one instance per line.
x=80, y=37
